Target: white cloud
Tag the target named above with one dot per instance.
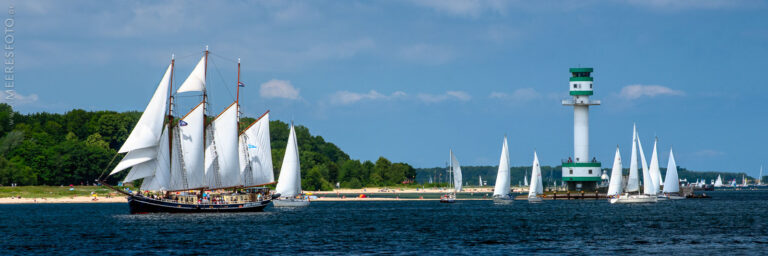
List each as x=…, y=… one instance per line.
x=347, y=97
x=523, y=94
x=449, y=95
x=13, y=98
x=278, y=89
x=635, y=91
x=472, y=8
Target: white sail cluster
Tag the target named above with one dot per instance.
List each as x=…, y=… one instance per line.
x=652, y=180
x=190, y=154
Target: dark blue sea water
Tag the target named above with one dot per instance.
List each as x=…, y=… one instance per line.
x=730, y=223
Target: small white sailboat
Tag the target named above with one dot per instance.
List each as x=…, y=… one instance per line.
x=289, y=182
x=480, y=180
x=525, y=179
x=633, y=184
x=719, y=181
x=672, y=184
x=537, y=188
x=654, y=170
x=501, y=192
x=455, y=179
x=614, y=185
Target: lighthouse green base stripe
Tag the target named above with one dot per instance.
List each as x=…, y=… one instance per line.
x=590, y=164
x=573, y=93
x=581, y=178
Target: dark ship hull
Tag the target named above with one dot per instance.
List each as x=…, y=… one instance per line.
x=141, y=205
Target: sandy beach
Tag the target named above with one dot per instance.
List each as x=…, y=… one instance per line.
x=62, y=200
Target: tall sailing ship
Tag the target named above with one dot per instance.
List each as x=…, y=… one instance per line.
x=190, y=164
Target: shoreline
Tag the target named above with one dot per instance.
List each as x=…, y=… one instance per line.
x=336, y=195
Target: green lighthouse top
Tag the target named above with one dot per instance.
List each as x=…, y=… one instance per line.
x=581, y=70
x=581, y=74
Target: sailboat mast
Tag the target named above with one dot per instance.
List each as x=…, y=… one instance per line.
x=237, y=100
x=238, y=82
x=170, y=112
x=205, y=93
x=450, y=169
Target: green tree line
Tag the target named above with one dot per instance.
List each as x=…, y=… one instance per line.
x=77, y=146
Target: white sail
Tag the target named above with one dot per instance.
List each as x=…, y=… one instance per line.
x=162, y=176
x=225, y=130
x=719, y=181
x=456, y=172
x=289, y=182
x=256, y=153
x=536, y=187
x=502, y=175
x=196, y=80
x=760, y=177
x=525, y=179
x=147, y=183
x=672, y=184
x=614, y=186
x=178, y=177
x=480, y=181
x=212, y=178
x=191, y=128
x=142, y=170
x=654, y=169
x=633, y=182
x=135, y=157
x=647, y=183
x=146, y=133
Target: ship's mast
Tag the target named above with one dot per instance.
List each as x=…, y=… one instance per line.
x=237, y=99
x=205, y=92
x=238, y=82
x=170, y=113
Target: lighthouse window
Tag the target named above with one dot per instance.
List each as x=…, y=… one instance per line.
x=590, y=86
x=590, y=171
x=570, y=171
x=574, y=86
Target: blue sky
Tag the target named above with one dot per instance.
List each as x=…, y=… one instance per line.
x=410, y=79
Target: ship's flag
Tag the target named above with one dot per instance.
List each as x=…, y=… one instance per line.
x=241, y=84
x=182, y=123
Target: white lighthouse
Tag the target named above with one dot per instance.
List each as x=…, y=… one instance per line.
x=581, y=172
